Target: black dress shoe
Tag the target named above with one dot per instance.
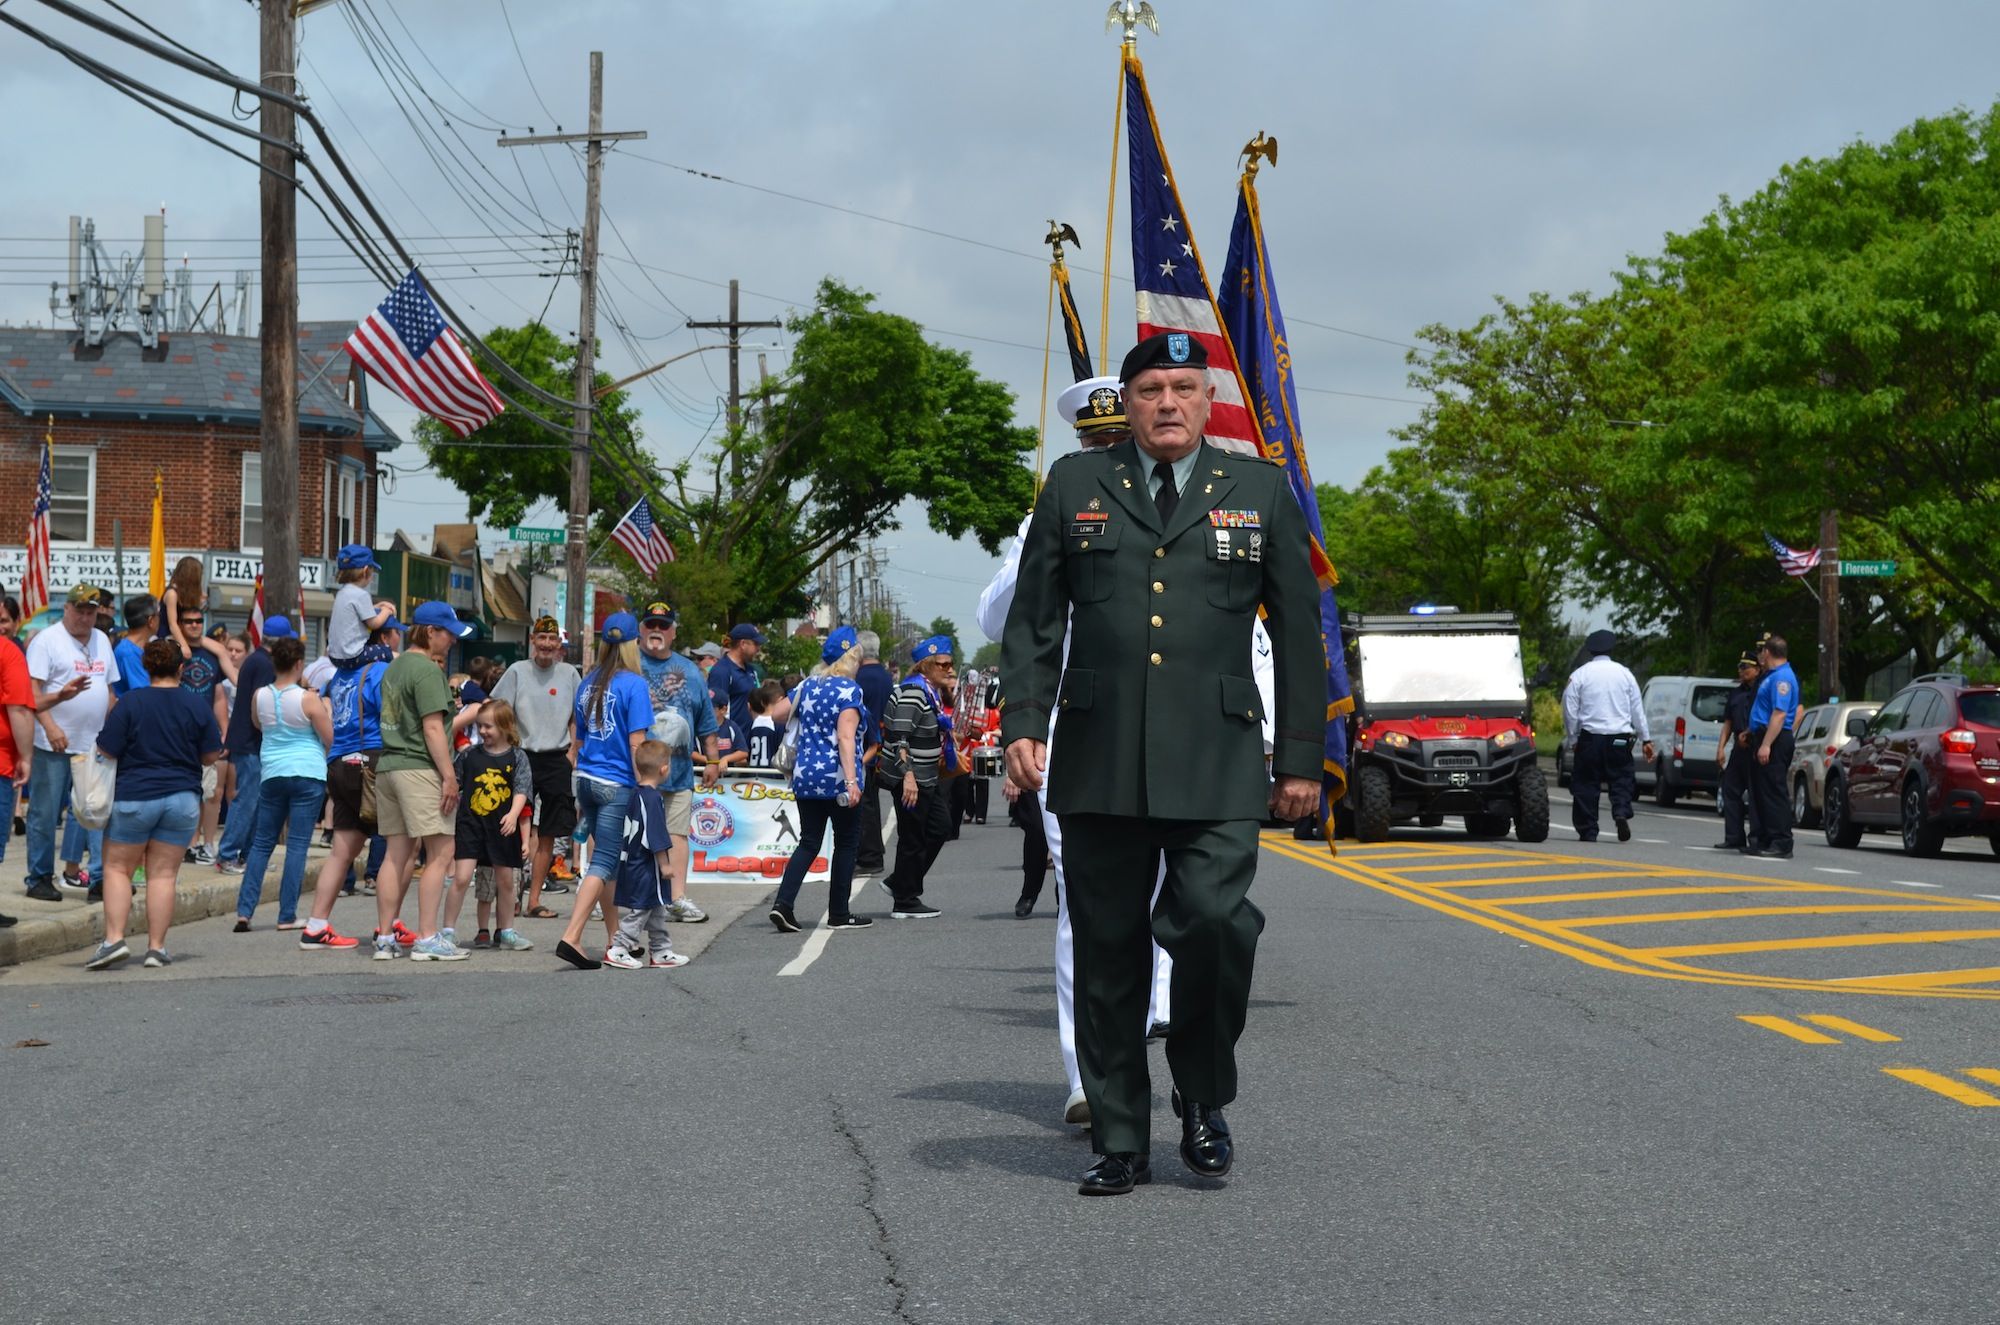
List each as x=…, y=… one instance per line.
x=1727, y=846
x=1115, y=1175
x=7, y=921
x=44, y=891
x=1205, y=1141
x=1159, y=1030
x=1770, y=853
x=1624, y=830
x=1024, y=908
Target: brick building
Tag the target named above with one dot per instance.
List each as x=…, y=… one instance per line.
x=190, y=412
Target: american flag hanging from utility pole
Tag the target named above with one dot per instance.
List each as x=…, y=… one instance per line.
x=35, y=583
x=409, y=347
x=1791, y=560
x=645, y=540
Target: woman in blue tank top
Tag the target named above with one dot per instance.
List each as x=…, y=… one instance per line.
x=298, y=730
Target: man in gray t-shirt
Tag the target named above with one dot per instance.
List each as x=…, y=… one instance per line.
x=542, y=692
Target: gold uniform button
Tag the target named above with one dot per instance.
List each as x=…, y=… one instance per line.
x=1158, y=622
x=1159, y=552
x=1084, y=543
x=1156, y=660
x=1158, y=587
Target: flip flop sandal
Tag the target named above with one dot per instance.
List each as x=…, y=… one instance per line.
x=540, y=913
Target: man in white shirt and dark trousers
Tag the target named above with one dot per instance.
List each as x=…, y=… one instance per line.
x=1602, y=706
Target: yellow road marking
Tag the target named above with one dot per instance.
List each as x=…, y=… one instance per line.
x=1619, y=894
x=1783, y=1027
x=1986, y=1074
x=1945, y=1086
x=1609, y=956
x=1854, y=1028
x=1824, y=941
x=1976, y=975
x=1731, y=913
x=1541, y=878
x=1509, y=863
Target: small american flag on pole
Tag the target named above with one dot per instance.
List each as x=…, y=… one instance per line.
x=408, y=346
x=646, y=541
x=35, y=583
x=1791, y=560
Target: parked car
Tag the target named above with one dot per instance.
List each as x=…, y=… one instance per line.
x=1928, y=765
x=1685, y=715
x=1822, y=730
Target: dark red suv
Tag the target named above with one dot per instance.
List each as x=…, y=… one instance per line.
x=1928, y=765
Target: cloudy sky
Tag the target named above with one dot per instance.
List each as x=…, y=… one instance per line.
x=1432, y=155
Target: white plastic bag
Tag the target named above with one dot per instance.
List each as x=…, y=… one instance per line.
x=92, y=779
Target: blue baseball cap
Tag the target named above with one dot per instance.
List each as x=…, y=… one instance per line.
x=838, y=642
x=355, y=556
x=278, y=627
x=395, y=625
x=934, y=647
x=746, y=631
x=439, y=616
x=618, y=628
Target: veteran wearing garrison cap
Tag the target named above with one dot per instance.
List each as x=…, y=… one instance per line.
x=1156, y=554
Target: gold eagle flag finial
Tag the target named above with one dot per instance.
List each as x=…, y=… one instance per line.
x=1132, y=13
x=1061, y=232
x=1263, y=146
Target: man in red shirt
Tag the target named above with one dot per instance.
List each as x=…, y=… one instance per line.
x=17, y=744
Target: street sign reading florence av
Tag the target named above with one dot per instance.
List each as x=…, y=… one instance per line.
x=1879, y=569
x=528, y=534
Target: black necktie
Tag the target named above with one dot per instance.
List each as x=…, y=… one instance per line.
x=1168, y=496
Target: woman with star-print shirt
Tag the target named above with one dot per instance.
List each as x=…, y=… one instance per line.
x=826, y=710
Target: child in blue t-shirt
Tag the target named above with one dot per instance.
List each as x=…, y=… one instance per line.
x=732, y=744
x=645, y=900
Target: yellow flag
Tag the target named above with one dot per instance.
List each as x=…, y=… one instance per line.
x=156, y=577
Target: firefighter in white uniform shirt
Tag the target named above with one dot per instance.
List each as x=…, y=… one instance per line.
x=1098, y=411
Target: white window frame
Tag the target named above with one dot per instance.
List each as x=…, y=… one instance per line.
x=89, y=454
x=346, y=492
x=249, y=541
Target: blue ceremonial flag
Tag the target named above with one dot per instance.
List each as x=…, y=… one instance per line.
x=1254, y=324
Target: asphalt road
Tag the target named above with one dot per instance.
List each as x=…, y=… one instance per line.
x=1482, y=1082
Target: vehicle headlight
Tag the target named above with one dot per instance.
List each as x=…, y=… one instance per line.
x=1397, y=739
x=1506, y=738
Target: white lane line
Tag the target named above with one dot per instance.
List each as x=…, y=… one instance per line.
x=1984, y=897
x=1829, y=869
x=1652, y=841
x=1912, y=883
x=816, y=941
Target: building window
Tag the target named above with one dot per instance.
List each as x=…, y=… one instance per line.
x=344, y=522
x=73, y=509
x=253, y=503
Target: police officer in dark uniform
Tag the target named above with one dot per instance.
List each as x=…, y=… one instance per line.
x=1738, y=759
x=1156, y=553
x=1774, y=716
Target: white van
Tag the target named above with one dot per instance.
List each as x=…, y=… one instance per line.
x=1685, y=714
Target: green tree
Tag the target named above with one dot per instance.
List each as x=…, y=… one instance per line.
x=513, y=463
x=987, y=656
x=868, y=415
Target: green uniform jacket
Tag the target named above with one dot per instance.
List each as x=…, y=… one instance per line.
x=1157, y=714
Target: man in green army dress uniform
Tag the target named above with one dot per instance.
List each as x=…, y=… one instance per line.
x=1156, y=554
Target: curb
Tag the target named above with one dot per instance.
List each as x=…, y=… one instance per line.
x=83, y=926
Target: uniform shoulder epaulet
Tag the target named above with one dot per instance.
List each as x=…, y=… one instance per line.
x=1240, y=458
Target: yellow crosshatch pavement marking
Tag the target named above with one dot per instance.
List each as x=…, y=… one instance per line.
x=1783, y=1027
x=1946, y=1086
x=1854, y=1028
x=1457, y=879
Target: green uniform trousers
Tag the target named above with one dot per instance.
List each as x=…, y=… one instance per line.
x=1204, y=919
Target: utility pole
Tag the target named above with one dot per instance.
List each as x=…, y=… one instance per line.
x=278, y=434
x=575, y=613
x=735, y=326
x=1829, y=604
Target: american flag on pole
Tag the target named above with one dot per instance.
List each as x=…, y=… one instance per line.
x=35, y=583
x=255, y=630
x=1174, y=293
x=1791, y=560
x=646, y=541
x=407, y=345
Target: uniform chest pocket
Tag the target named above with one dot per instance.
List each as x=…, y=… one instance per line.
x=1088, y=561
x=1235, y=568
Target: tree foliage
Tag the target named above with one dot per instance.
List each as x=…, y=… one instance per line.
x=513, y=463
x=1832, y=342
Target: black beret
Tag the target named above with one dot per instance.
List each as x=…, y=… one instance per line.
x=1600, y=641
x=1168, y=349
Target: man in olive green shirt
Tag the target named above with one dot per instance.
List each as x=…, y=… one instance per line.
x=416, y=791
x=1156, y=555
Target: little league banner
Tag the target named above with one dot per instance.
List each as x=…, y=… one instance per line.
x=746, y=830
